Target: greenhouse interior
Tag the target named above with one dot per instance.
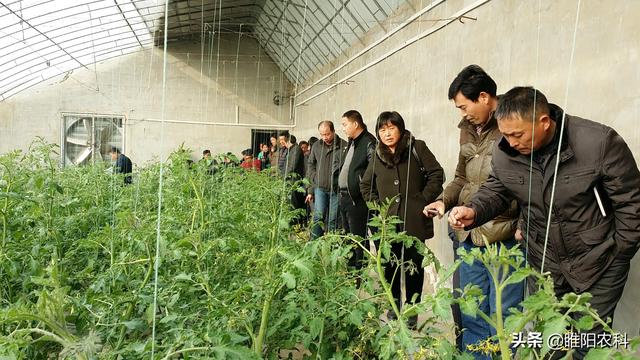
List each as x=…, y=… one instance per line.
x=329, y=179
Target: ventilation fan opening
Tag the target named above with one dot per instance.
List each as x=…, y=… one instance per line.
x=88, y=139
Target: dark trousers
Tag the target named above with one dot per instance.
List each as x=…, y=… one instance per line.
x=455, y=308
x=606, y=294
x=355, y=214
x=297, y=202
x=413, y=281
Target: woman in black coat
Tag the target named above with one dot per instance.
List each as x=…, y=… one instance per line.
x=406, y=169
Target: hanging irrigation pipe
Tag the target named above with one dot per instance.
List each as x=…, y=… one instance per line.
x=375, y=43
x=564, y=115
x=533, y=136
x=525, y=234
x=428, y=32
x=334, y=194
x=403, y=281
x=233, y=124
x=160, y=182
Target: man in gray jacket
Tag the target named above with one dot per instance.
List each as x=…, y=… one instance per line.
x=593, y=219
x=323, y=168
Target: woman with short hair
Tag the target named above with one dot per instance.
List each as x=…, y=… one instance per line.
x=403, y=169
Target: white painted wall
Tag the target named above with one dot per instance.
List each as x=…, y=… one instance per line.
x=201, y=87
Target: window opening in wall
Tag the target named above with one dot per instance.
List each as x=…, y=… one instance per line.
x=88, y=138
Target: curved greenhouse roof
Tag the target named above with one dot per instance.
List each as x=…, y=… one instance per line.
x=41, y=39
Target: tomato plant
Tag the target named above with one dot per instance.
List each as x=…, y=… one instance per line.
x=235, y=279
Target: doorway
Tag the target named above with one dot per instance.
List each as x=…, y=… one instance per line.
x=261, y=136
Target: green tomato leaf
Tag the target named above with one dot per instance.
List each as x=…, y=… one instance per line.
x=315, y=325
x=289, y=279
x=355, y=317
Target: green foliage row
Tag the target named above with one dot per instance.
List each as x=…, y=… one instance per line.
x=235, y=279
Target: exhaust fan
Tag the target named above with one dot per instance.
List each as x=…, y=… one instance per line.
x=88, y=139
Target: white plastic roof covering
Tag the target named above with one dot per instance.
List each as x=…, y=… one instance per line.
x=40, y=39
x=330, y=27
x=43, y=39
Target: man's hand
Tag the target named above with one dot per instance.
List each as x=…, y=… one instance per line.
x=308, y=199
x=461, y=216
x=433, y=209
x=518, y=235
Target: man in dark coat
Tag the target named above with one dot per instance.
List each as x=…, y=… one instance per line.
x=594, y=227
x=323, y=168
x=122, y=164
x=283, y=150
x=292, y=168
x=354, y=160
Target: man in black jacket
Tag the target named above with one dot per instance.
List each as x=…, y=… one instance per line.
x=354, y=159
x=292, y=169
x=594, y=216
x=122, y=164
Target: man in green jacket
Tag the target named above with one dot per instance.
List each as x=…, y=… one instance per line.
x=474, y=93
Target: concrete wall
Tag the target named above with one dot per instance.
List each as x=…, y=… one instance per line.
x=203, y=87
x=518, y=43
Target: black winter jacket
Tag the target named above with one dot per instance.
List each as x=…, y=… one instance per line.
x=294, y=162
x=399, y=175
x=583, y=242
x=363, y=152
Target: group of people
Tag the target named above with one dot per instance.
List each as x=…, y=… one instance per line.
x=516, y=150
x=565, y=188
x=345, y=174
x=269, y=155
